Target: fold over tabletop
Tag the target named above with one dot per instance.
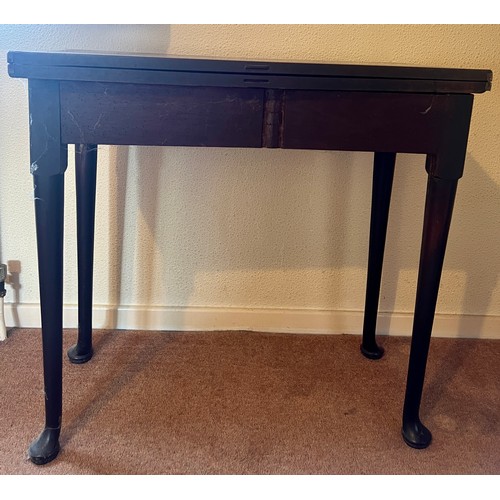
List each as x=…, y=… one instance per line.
x=168, y=70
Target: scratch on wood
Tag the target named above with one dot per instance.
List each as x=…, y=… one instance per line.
x=73, y=119
x=429, y=108
x=98, y=122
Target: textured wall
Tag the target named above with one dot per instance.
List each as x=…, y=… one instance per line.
x=261, y=229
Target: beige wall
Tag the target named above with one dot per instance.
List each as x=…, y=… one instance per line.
x=267, y=239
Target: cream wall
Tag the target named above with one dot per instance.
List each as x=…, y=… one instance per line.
x=259, y=239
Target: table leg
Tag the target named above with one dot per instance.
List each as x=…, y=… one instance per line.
x=49, y=207
x=383, y=174
x=438, y=210
x=86, y=172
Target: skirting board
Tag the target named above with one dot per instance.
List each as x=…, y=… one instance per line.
x=256, y=319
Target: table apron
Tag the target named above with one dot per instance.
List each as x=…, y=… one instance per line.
x=166, y=115
x=160, y=115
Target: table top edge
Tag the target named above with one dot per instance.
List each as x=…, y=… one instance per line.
x=251, y=66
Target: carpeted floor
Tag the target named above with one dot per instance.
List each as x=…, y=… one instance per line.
x=251, y=403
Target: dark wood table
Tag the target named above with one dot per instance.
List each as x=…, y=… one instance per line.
x=88, y=99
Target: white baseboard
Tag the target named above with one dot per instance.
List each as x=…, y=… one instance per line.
x=256, y=319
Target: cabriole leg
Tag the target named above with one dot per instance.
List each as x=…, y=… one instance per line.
x=86, y=171
x=438, y=210
x=49, y=206
x=48, y=158
x=383, y=174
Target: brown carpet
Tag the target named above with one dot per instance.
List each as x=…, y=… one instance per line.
x=251, y=403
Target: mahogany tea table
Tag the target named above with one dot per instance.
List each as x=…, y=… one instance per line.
x=89, y=99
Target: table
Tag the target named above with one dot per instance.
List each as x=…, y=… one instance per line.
x=89, y=99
